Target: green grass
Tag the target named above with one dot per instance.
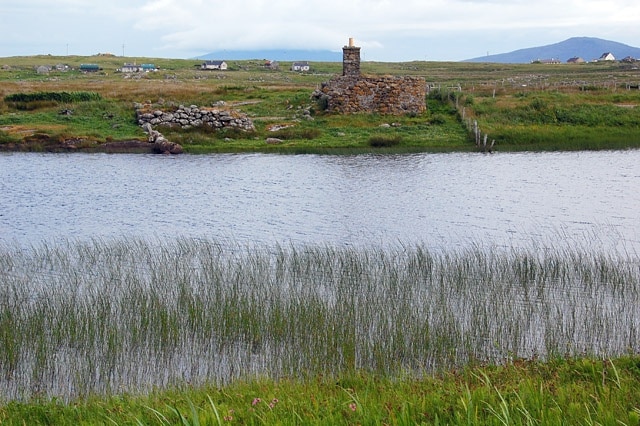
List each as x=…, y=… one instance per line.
x=521, y=107
x=562, y=391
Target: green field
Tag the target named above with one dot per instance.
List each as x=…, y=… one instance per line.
x=518, y=107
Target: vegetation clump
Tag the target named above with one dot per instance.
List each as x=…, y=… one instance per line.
x=382, y=141
x=61, y=97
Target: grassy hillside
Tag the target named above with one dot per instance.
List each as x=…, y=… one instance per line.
x=531, y=107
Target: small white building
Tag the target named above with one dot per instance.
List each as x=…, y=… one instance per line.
x=214, y=65
x=129, y=68
x=300, y=66
x=607, y=56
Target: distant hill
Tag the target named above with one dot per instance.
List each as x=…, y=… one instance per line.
x=587, y=48
x=276, y=55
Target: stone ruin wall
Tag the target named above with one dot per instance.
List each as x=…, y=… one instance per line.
x=193, y=116
x=353, y=93
x=384, y=95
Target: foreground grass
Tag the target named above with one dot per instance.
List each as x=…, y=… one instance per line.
x=581, y=391
x=520, y=107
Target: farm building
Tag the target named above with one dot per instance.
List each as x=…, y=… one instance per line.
x=129, y=68
x=547, y=61
x=138, y=68
x=214, y=65
x=300, y=66
x=89, y=67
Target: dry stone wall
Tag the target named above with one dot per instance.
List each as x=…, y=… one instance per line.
x=194, y=116
x=384, y=95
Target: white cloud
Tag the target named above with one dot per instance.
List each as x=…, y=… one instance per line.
x=386, y=29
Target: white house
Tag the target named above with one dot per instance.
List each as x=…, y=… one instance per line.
x=607, y=56
x=214, y=65
x=300, y=66
x=129, y=68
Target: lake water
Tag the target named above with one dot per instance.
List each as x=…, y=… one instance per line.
x=441, y=200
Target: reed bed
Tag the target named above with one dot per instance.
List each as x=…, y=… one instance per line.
x=108, y=317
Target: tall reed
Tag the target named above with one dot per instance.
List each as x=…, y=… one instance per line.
x=78, y=318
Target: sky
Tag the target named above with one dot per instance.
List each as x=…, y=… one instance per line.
x=386, y=30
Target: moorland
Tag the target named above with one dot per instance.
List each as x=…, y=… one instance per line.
x=518, y=106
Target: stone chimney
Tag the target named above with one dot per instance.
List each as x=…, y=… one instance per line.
x=351, y=60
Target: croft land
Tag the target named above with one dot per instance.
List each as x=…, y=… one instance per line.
x=519, y=107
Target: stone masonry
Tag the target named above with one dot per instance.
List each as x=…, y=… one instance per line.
x=354, y=93
x=194, y=116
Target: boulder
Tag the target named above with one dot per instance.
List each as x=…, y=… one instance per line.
x=163, y=146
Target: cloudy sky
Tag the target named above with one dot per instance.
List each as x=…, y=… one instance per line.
x=387, y=30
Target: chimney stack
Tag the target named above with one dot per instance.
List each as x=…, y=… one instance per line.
x=351, y=60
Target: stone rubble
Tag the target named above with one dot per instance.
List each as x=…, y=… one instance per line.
x=194, y=116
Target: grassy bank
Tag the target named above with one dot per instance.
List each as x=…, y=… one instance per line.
x=559, y=392
x=521, y=107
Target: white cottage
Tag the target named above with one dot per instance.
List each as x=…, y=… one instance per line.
x=607, y=56
x=300, y=66
x=214, y=65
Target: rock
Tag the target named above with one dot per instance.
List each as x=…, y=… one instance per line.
x=274, y=141
x=163, y=146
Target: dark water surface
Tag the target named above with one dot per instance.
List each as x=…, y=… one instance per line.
x=441, y=200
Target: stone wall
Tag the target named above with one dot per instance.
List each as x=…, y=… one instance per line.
x=351, y=61
x=384, y=95
x=193, y=116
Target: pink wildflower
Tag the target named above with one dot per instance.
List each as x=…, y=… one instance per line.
x=353, y=406
x=256, y=401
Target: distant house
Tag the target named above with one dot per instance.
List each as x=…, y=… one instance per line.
x=607, y=56
x=273, y=65
x=214, y=65
x=576, y=60
x=300, y=66
x=547, y=61
x=129, y=68
x=89, y=67
x=629, y=59
x=138, y=68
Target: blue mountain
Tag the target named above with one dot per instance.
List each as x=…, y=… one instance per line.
x=587, y=48
x=275, y=55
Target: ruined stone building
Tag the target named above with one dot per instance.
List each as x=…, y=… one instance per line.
x=352, y=92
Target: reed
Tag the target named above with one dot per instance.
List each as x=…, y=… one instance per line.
x=105, y=317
